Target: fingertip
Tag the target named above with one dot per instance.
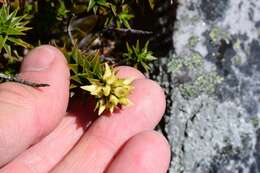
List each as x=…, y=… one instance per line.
x=127, y=71
x=156, y=139
x=149, y=99
x=145, y=152
x=154, y=150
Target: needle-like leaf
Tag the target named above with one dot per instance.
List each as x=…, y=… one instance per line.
x=11, y=27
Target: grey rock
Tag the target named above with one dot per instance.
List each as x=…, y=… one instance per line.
x=212, y=81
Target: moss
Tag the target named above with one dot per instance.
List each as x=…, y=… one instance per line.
x=193, y=41
x=175, y=65
x=216, y=34
x=202, y=81
x=255, y=121
x=194, y=61
x=205, y=83
x=237, y=44
x=237, y=60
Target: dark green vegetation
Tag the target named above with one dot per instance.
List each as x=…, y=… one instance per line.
x=91, y=33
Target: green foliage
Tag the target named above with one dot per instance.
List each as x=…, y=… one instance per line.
x=120, y=19
x=84, y=67
x=216, y=34
x=92, y=34
x=116, y=14
x=96, y=4
x=152, y=3
x=123, y=18
x=97, y=78
x=11, y=28
x=62, y=11
x=193, y=41
x=139, y=57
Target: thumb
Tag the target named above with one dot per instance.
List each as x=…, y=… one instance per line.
x=26, y=113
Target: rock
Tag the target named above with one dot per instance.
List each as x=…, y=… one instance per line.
x=212, y=80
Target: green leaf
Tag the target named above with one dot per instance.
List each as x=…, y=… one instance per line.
x=95, y=4
x=2, y=42
x=85, y=66
x=19, y=42
x=61, y=11
x=103, y=3
x=8, y=50
x=128, y=48
x=74, y=68
x=91, y=4
x=72, y=86
x=139, y=57
x=145, y=66
x=150, y=57
x=113, y=8
x=146, y=45
x=152, y=3
x=11, y=27
x=76, y=78
x=125, y=22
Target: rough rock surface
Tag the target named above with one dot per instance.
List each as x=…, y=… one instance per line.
x=212, y=80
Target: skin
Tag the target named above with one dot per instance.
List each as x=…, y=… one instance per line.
x=40, y=131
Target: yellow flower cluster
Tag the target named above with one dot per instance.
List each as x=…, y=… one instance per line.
x=110, y=91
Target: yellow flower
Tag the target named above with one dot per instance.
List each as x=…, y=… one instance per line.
x=124, y=101
x=106, y=90
x=90, y=88
x=109, y=90
x=108, y=72
x=113, y=102
x=101, y=106
x=121, y=91
x=93, y=89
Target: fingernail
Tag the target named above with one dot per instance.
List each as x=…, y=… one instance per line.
x=38, y=59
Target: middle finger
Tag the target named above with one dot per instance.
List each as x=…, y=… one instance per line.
x=103, y=139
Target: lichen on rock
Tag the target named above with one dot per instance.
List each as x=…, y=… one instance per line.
x=213, y=122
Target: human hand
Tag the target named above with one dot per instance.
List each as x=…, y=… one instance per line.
x=38, y=134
